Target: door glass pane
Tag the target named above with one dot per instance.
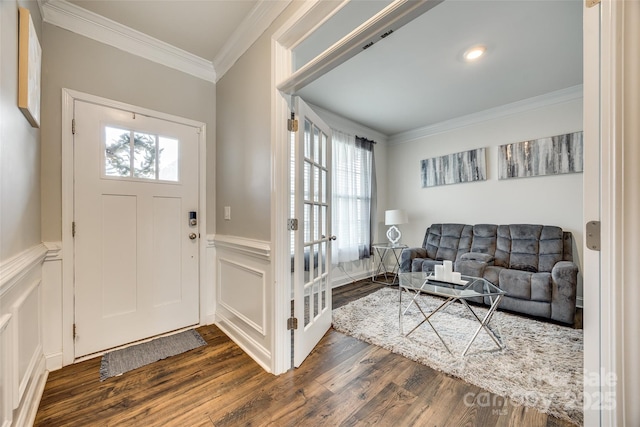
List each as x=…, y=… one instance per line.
x=307, y=308
x=144, y=155
x=307, y=139
x=307, y=181
x=323, y=153
x=307, y=223
x=316, y=222
x=117, y=152
x=323, y=286
x=323, y=191
x=323, y=223
x=316, y=300
x=316, y=261
x=168, y=159
x=316, y=184
x=316, y=145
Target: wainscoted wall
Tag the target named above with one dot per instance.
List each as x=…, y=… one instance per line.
x=22, y=363
x=245, y=295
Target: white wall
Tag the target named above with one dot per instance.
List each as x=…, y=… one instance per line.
x=551, y=200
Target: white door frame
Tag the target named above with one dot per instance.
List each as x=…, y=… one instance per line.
x=611, y=300
x=68, y=267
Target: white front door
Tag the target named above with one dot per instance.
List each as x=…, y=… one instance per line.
x=136, y=251
x=312, y=253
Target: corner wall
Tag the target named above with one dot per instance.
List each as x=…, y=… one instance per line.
x=22, y=363
x=551, y=200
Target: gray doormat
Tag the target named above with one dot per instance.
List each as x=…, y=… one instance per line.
x=127, y=359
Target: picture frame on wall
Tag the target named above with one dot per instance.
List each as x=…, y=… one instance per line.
x=560, y=154
x=466, y=166
x=29, y=68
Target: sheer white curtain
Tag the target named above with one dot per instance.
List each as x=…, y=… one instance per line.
x=352, y=190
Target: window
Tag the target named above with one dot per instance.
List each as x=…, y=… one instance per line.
x=353, y=196
x=139, y=155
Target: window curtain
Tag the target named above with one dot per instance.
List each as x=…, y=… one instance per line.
x=353, y=197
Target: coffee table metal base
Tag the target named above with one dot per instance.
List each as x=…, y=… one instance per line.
x=483, y=322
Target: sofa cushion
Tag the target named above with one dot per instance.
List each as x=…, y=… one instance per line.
x=484, y=238
x=448, y=241
x=525, y=285
x=529, y=247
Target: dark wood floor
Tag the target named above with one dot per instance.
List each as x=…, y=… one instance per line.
x=343, y=382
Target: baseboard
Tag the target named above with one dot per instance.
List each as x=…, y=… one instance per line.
x=343, y=279
x=27, y=412
x=53, y=361
x=260, y=355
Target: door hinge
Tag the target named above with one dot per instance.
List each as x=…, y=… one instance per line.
x=73, y=126
x=74, y=331
x=591, y=3
x=292, y=123
x=292, y=323
x=73, y=229
x=593, y=235
x=292, y=224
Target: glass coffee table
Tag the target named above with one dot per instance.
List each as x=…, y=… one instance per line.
x=417, y=283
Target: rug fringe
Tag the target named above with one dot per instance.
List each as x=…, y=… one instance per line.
x=104, y=368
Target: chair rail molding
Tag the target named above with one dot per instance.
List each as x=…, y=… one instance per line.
x=249, y=247
x=16, y=268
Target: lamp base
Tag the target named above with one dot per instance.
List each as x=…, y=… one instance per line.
x=394, y=235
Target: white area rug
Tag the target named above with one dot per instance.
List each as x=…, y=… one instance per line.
x=541, y=365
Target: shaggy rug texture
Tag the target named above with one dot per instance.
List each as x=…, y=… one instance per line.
x=127, y=359
x=541, y=365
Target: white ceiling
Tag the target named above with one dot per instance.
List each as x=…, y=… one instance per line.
x=416, y=77
x=413, y=78
x=200, y=27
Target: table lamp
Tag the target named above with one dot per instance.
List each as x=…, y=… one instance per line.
x=393, y=218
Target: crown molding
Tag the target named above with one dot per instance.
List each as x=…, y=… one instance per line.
x=81, y=21
x=558, y=97
x=252, y=27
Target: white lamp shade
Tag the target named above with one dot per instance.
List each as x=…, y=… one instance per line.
x=396, y=216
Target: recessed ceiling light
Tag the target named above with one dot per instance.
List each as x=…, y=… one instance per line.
x=474, y=53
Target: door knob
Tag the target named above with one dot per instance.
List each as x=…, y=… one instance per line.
x=193, y=236
x=332, y=238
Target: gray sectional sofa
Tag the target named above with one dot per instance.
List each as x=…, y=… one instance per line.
x=532, y=263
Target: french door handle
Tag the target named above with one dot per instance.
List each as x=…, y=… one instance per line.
x=332, y=238
x=193, y=236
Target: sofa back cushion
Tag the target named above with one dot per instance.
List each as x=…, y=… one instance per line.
x=447, y=241
x=529, y=247
x=485, y=238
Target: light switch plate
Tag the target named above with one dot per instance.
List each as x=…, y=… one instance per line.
x=227, y=213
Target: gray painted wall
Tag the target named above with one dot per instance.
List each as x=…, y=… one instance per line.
x=75, y=62
x=19, y=144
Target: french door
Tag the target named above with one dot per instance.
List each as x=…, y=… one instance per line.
x=311, y=149
x=135, y=221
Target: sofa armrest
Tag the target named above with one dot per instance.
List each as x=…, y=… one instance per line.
x=564, y=276
x=408, y=255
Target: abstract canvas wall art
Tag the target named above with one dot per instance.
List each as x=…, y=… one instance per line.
x=545, y=156
x=465, y=166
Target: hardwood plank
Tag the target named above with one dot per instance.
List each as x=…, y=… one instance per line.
x=344, y=381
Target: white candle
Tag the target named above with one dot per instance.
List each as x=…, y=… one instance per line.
x=456, y=277
x=447, y=270
x=439, y=271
